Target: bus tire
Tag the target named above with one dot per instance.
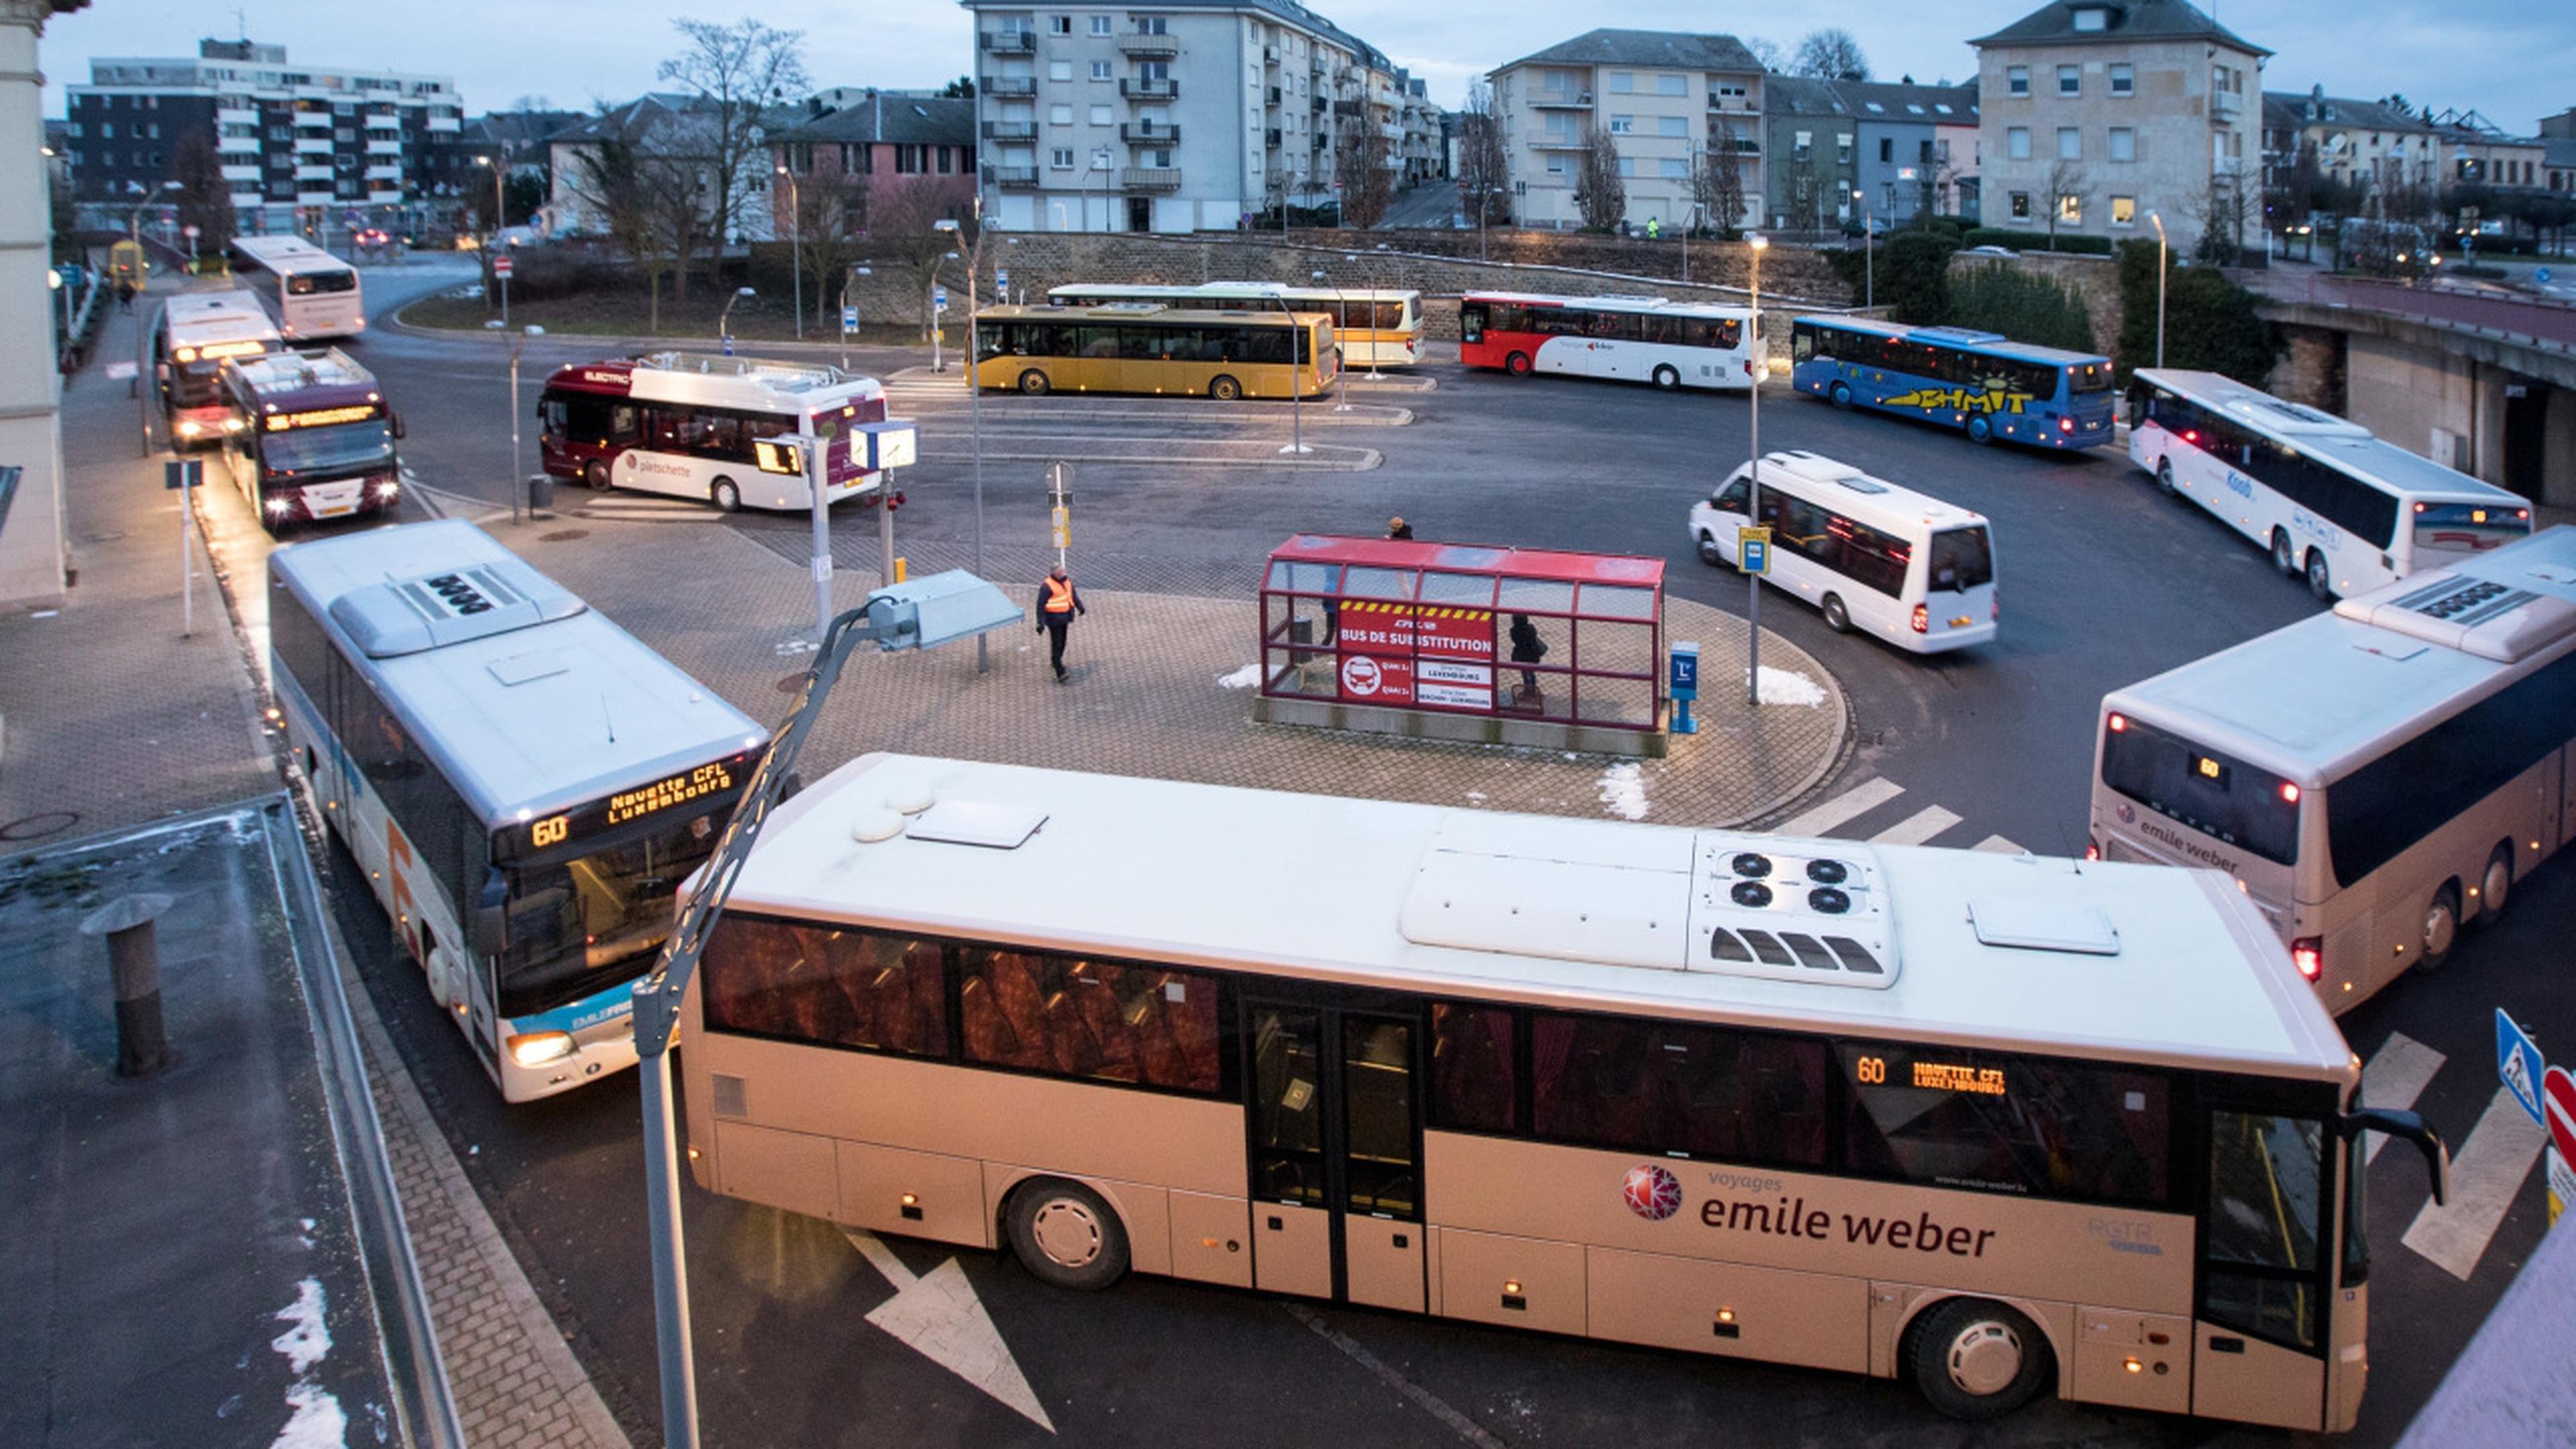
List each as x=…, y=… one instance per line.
x=1066, y=1236
x=1840, y=394
x=1981, y=430
x=1667, y=378
x=595, y=473
x=725, y=496
x=2495, y=885
x=1224, y=388
x=2164, y=476
x=2441, y=930
x=2320, y=577
x=1837, y=614
x=2285, y=555
x=1033, y=383
x=1976, y=1359
x=1709, y=553
x=1518, y=364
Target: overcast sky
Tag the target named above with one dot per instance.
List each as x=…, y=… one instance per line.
x=2514, y=60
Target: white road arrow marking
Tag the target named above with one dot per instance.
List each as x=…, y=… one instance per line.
x=938, y=1316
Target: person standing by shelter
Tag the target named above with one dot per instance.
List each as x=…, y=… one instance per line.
x=1527, y=648
x=1058, y=602
x=1396, y=527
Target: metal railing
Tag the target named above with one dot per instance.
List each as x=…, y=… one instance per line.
x=1150, y=178
x=1156, y=133
x=1150, y=90
x=1010, y=85
x=1010, y=130
x=1133, y=44
x=1018, y=42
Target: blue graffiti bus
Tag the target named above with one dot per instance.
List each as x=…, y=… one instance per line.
x=1978, y=382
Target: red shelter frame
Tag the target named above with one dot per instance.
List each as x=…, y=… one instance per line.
x=1475, y=629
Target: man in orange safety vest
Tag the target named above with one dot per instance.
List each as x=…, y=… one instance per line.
x=1058, y=602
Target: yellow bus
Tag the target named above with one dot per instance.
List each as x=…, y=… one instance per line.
x=1377, y=327
x=1996, y=1125
x=1149, y=348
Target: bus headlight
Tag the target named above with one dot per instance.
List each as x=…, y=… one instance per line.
x=188, y=428
x=536, y=1048
x=386, y=492
x=279, y=506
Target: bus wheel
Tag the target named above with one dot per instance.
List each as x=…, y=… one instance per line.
x=2495, y=885
x=2284, y=556
x=1066, y=1235
x=1841, y=395
x=1977, y=1360
x=595, y=473
x=2441, y=928
x=2164, y=475
x=725, y=496
x=2320, y=578
x=1667, y=379
x=1518, y=364
x=1034, y=383
x=1224, y=388
x=1709, y=553
x=1837, y=616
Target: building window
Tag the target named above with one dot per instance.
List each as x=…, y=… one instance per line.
x=2070, y=80
x=2070, y=144
x=1887, y=148
x=1843, y=149
x=1100, y=115
x=2070, y=208
x=2092, y=19
x=1622, y=125
x=1100, y=25
x=2017, y=79
x=1675, y=168
x=1555, y=165
x=2124, y=143
x=2017, y=143
x=1673, y=126
x=1627, y=165
x=2021, y=206
x=1100, y=70
x=1059, y=25
x=2124, y=211
x=1806, y=141
x=1059, y=70
x=1622, y=82
x=947, y=163
x=1060, y=159
x=1059, y=115
x=1672, y=85
x=2124, y=78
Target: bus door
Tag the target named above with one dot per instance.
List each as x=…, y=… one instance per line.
x=1336, y=1143
x=2258, y=1351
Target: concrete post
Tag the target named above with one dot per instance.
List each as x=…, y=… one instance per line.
x=134, y=957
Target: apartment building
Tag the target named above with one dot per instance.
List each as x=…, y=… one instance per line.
x=2393, y=154
x=1672, y=103
x=1847, y=152
x=2110, y=114
x=884, y=145
x=1192, y=115
x=289, y=135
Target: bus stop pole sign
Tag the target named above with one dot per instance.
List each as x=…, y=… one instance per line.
x=1753, y=550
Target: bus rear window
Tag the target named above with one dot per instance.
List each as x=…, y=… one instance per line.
x=2224, y=799
x=2465, y=528
x=2089, y=377
x=1962, y=559
x=307, y=283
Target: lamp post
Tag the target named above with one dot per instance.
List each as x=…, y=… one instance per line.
x=1868, y=251
x=1753, y=487
x=518, y=472
x=724, y=319
x=1690, y=208
x=848, y=277
x=2159, y=221
x=975, y=389
x=796, y=242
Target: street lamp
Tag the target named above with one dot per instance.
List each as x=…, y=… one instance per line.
x=724, y=318
x=975, y=388
x=2159, y=221
x=134, y=218
x=796, y=234
x=518, y=473
x=1761, y=364
x=853, y=274
x=496, y=169
x=1868, y=251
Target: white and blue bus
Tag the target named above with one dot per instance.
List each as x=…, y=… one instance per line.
x=524, y=783
x=1978, y=382
x=2344, y=510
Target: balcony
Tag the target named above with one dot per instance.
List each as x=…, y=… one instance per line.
x=1562, y=100
x=1009, y=85
x=1148, y=46
x=1150, y=178
x=237, y=143
x=2226, y=105
x=1320, y=105
x=384, y=148
x=1556, y=143
x=312, y=173
x=384, y=173
x=1150, y=90
x=1153, y=133
x=1273, y=97
x=241, y=173
x=1270, y=139
x=1007, y=42
x=1013, y=176
x=1270, y=55
x=1010, y=130
x=309, y=144
x=1349, y=108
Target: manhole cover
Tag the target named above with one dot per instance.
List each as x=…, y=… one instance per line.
x=790, y=684
x=563, y=535
x=37, y=827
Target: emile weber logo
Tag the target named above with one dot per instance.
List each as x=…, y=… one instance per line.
x=1785, y=1216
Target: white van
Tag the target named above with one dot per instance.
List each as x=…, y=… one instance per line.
x=1915, y=571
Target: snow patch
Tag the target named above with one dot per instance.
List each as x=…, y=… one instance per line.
x=1622, y=789
x=317, y=1422
x=307, y=1340
x=1244, y=678
x=1788, y=686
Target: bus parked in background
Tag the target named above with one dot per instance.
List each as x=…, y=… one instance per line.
x=2375, y=777
x=1373, y=327
x=1978, y=382
x=1999, y=1126
x=199, y=331
x=1148, y=347
x=1909, y=568
x=311, y=438
x=684, y=423
x=1633, y=339
x=310, y=294
x=524, y=784
x=2344, y=510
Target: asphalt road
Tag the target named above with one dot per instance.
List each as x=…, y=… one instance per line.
x=2103, y=581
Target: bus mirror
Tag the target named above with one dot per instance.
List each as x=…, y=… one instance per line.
x=396, y=420
x=2406, y=1127
x=489, y=930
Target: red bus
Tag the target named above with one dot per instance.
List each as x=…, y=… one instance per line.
x=1634, y=339
x=684, y=424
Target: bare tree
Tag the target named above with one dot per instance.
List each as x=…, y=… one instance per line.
x=831, y=227
x=1598, y=191
x=1361, y=169
x=1768, y=53
x=1484, y=164
x=2068, y=189
x=1719, y=186
x=2222, y=213
x=904, y=238
x=652, y=205
x=735, y=74
x=205, y=197
x=1832, y=53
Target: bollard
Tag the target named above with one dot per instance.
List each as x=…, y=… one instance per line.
x=134, y=957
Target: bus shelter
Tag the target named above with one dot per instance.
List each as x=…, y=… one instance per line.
x=1465, y=641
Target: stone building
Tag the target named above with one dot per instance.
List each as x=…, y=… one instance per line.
x=1671, y=103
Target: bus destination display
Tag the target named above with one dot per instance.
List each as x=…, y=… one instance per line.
x=625, y=806
x=321, y=417
x=1871, y=1071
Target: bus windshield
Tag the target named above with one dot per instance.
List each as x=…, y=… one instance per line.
x=2224, y=799
x=2467, y=528
x=580, y=926
x=328, y=449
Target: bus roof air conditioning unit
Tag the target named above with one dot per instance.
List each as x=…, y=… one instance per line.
x=450, y=607
x=2504, y=606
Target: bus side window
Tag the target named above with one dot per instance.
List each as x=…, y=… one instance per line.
x=1729, y=499
x=622, y=424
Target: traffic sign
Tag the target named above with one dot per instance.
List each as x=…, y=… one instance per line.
x=1753, y=553
x=1002, y=282
x=849, y=319
x=191, y=233
x=501, y=266
x=2558, y=1109
x=2540, y=275
x=2519, y=1064
x=183, y=473
x=939, y=299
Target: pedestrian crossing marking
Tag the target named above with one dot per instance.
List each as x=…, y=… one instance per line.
x=1916, y=828
x=2486, y=1175
x=1859, y=800
x=2396, y=1075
